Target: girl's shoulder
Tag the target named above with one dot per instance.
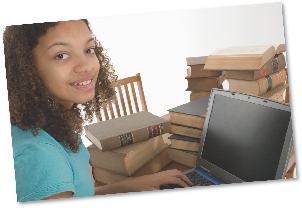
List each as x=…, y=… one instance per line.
x=25, y=139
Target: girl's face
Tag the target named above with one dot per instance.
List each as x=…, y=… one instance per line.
x=66, y=62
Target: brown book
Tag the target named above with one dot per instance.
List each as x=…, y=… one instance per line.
x=259, y=86
x=174, y=165
x=277, y=93
x=126, y=130
x=275, y=64
x=186, y=131
x=128, y=159
x=197, y=71
x=186, y=158
x=242, y=57
x=184, y=142
x=191, y=61
x=197, y=95
x=190, y=114
x=154, y=165
x=204, y=83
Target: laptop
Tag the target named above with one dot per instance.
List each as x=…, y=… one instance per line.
x=245, y=138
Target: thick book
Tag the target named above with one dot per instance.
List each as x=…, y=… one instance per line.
x=196, y=60
x=128, y=159
x=126, y=130
x=184, y=142
x=277, y=63
x=242, y=57
x=197, y=71
x=197, y=95
x=204, y=83
x=259, y=86
x=186, y=158
x=277, y=93
x=174, y=165
x=186, y=131
x=191, y=114
x=154, y=165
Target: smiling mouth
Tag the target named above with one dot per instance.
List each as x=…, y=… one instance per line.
x=82, y=83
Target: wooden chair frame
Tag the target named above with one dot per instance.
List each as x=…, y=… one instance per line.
x=124, y=99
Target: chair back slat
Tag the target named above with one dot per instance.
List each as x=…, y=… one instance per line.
x=129, y=98
x=134, y=96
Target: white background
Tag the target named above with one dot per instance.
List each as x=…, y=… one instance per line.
x=156, y=45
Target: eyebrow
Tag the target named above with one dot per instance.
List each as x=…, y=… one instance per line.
x=67, y=44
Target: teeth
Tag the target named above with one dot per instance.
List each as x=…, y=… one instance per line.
x=83, y=83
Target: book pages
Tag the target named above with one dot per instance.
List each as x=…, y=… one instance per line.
x=242, y=50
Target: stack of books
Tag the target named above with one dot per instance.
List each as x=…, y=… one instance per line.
x=127, y=146
x=258, y=70
x=200, y=82
x=187, y=122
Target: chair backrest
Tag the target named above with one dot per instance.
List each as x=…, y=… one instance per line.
x=129, y=99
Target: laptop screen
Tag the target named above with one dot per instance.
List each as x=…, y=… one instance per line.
x=245, y=136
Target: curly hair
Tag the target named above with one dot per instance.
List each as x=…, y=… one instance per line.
x=28, y=97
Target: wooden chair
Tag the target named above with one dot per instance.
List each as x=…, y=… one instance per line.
x=129, y=99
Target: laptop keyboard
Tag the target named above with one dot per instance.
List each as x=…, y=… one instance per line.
x=195, y=178
x=198, y=180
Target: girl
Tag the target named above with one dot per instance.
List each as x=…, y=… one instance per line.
x=57, y=75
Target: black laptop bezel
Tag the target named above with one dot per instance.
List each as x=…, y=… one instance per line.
x=223, y=175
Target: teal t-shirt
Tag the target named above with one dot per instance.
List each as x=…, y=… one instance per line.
x=43, y=167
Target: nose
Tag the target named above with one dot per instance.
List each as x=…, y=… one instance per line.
x=83, y=64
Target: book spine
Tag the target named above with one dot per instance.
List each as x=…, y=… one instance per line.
x=274, y=65
x=272, y=81
x=135, y=136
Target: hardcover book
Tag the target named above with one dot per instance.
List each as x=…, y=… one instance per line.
x=197, y=95
x=186, y=158
x=184, y=142
x=204, y=83
x=197, y=60
x=128, y=159
x=186, y=131
x=126, y=130
x=242, y=57
x=197, y=71
x=277, y=93
x=275, y=64
x=155, y=164
x=174, y=165
x=259, y=86
x=191, y=114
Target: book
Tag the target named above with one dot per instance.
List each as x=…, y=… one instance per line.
x=184, y=142
x=196, y=66
x=194, y=95
x=259, y=86
x=126, y=130
x=275, y=64
x=197, y=71
x=186, y=130
x=242, y=57
x=196, y=60
x=174, y=165
x=128, y=159
x=190, y=114
x=186, y=158
x=154, y=165
x=277, y=93
x=204, y=83
x=197, y=95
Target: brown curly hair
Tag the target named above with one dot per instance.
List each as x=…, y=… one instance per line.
x=28, y=97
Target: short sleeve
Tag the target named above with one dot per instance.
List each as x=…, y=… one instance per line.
x=42, y=170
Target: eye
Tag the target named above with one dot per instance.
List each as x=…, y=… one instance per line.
x=62, y=56
x=91, y=50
